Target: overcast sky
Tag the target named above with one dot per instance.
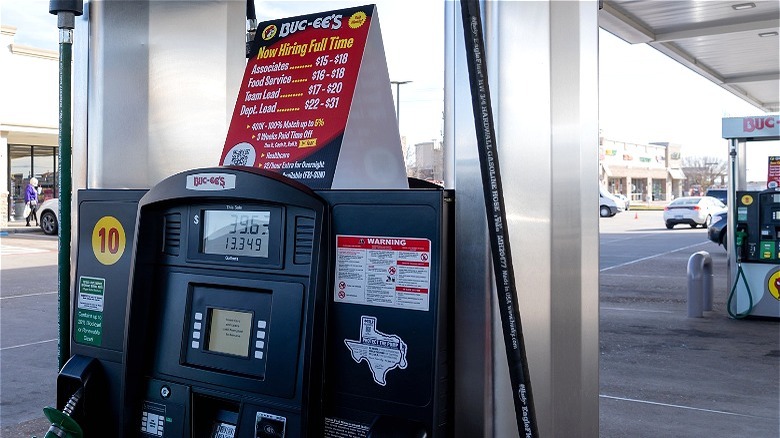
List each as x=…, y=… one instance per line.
x=644, y=95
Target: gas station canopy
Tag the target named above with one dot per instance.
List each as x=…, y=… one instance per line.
x=734, y=44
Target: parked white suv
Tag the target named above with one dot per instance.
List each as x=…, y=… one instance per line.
x=609, y=205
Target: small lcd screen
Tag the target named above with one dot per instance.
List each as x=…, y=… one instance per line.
x=237, y=233
x=230, y=332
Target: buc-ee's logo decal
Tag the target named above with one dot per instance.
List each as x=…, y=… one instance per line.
x=269, y=32
x=211, y=181
x=773, y=284
x=747, y=199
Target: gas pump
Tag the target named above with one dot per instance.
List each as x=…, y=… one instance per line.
x=258, y=307
x=757, y=245
x=754, y=220
x=237, y=301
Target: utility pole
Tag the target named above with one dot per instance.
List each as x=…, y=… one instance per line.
x=398, y=99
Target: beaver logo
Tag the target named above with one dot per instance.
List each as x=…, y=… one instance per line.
x=269, y=32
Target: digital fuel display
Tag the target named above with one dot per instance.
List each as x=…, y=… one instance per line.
x=236, y=233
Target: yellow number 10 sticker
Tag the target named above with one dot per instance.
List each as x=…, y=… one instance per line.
x=108, y=240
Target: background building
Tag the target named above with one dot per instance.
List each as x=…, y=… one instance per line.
x=643, y=172
x=29, y=111
x=428, y=162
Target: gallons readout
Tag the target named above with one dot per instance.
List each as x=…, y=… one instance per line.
x=236, y=233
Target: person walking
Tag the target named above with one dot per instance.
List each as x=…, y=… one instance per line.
x=31, y=200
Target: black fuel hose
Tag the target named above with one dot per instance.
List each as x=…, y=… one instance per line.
x=496, y=217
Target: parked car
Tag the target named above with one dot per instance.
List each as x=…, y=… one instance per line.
x=623, y=198
x=720, y=194
x=48, y=215
x=609, y=205
x=692, y=210
x=717, y=230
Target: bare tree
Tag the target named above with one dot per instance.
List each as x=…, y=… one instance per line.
x=704, y=171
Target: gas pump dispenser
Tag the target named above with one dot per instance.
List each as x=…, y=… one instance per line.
x=754, y=218
x=249, y=304
x=224, y=328
x=757, y=242
x=257, y=307
x=758, y=219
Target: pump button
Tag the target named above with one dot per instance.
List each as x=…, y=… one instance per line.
x=260, y=334
x=261, y=324
x=196, y=335
x=259, y=344
x=195, y=344
x=198, y=316
x=197, y=326
x=258, y=354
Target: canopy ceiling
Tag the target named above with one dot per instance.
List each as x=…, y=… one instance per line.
x=734, y=44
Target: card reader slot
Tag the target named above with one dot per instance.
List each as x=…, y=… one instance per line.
x=214, y=417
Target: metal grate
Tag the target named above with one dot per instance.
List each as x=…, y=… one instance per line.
x=304, y=240
x=172, y=236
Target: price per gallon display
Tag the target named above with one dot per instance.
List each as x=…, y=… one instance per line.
x=297, y=91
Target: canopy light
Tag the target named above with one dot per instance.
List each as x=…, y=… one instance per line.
x=743, y=6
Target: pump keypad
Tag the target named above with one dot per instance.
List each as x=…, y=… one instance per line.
x=196, y=330
x=260, y=339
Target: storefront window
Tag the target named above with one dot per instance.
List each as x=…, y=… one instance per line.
x=639, y=190
x=659, y=189
x=24, y=162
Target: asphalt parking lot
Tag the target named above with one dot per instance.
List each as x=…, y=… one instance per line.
x=662, y=374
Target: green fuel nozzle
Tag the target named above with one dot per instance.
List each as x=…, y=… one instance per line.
x=62, y=425
x=740, y=237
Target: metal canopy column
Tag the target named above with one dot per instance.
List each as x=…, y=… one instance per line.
x=542, y=61
x=155, y=83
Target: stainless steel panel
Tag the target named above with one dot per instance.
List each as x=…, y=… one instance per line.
x=574, y=261
x=543, y=69
x=473, y=335
x=520, y=62
x=157, y=81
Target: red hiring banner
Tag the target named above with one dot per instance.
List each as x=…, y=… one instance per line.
x=296, y=94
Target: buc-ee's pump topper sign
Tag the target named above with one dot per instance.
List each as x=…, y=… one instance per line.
x=296, y=94
x=751, y=127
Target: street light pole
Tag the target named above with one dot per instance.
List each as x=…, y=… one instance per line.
x=398, y=99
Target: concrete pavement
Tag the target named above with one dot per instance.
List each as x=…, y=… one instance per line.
x=19, y=227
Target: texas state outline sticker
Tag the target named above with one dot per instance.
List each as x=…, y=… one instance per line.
x=382, y=352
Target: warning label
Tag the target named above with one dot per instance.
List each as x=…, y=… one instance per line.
x=383, y=271
x=337, y=428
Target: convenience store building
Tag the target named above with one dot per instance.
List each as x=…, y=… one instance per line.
x=646, y=173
